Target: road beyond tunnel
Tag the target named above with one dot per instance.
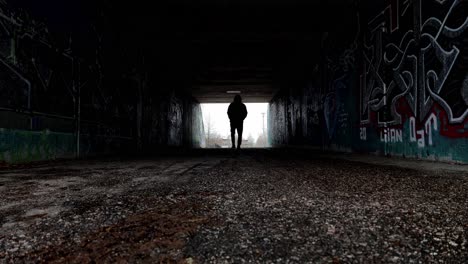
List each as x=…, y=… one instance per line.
x=264, y=206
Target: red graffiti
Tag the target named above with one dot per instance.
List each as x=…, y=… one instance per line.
x=450, y=130
x=446, y=129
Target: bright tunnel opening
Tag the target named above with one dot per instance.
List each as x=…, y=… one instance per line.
x=217, y=126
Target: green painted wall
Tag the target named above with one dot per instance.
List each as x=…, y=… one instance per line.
x=25, y=146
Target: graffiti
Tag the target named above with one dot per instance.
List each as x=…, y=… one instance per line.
x=39, y=65
x=330, y=109
x=334, y=110
x=339, y=69
x=419, y=135
x=411, y=97
x=36, y=65
x=20, y=96
x=363, y=133
x=431, y=124
x=388, y=135
x=392, y=135
x=465, y=90
x=315, y=120
x=343, y=119
x=408, y=71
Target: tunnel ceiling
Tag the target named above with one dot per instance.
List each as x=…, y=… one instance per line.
x=244, y=46
x=206, y=48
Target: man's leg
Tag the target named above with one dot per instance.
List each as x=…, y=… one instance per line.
x=240, y=128
x=233, y=135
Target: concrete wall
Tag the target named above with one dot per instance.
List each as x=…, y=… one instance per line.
x=55, y=101
x=394, y=82
x=68, y=89
x=195, y=129
x=172, y=120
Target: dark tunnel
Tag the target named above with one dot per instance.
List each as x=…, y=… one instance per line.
x=338, y=75
x=383, y=80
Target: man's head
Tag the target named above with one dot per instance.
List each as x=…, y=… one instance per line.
x=237, y=99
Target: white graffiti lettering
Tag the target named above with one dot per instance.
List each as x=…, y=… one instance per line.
x=363, y=134
x=421, y=141
x=431, y=120
x=420, y=72
x=420, y=135
x=391, y=135
x=412, y=129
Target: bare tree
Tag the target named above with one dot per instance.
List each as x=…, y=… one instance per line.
x=208, y=129
x=213, y=138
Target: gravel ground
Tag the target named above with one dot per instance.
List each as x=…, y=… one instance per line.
x=257, y=207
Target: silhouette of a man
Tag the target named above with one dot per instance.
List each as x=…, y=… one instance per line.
x=237, y=112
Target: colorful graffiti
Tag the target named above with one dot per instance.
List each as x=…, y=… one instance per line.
x=399, y=88
x=415, y=72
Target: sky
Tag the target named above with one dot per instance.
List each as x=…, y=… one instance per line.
x=219, y=118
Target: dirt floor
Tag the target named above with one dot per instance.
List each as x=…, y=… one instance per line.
x=261, y=206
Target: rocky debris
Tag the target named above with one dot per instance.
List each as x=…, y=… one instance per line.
x=265, y=207
x=157, y=235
